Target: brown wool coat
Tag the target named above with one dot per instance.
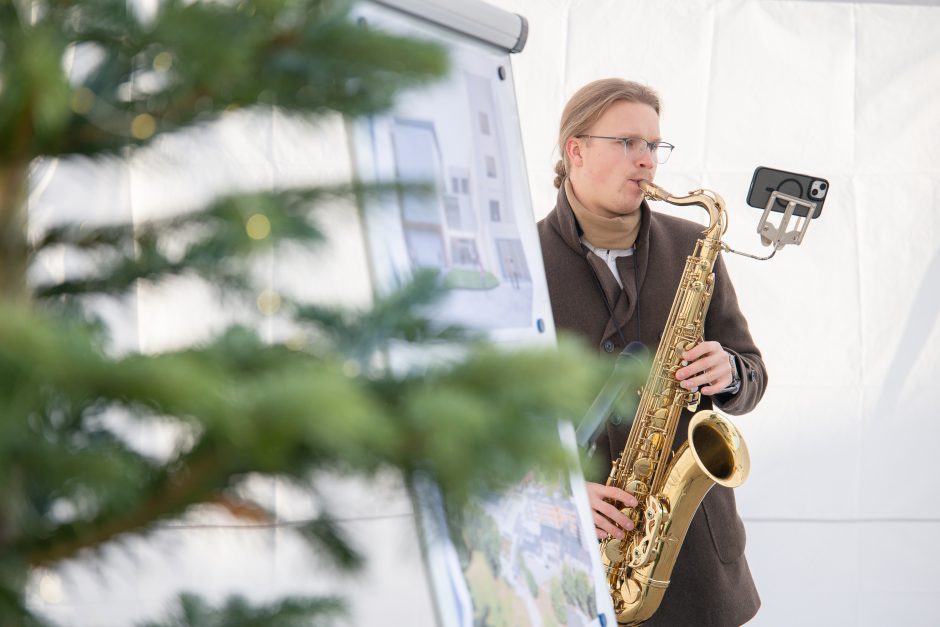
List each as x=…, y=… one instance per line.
x=711, y=584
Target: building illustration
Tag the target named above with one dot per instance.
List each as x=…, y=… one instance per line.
x=464, y=222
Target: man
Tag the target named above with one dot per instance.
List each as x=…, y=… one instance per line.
x=613, y=268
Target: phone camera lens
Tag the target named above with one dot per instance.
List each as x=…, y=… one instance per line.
x=822, y=186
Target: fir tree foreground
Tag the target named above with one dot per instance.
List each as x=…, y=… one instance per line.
x=70, y=483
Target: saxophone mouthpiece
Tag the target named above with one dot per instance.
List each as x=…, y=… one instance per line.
x=653, y=192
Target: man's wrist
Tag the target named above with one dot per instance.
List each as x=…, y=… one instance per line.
x=735, y=385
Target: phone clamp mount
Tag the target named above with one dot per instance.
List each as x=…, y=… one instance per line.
x=778, y=236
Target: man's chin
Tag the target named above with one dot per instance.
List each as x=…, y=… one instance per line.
x=630, y=206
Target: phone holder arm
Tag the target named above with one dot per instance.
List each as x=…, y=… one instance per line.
x=778, y=236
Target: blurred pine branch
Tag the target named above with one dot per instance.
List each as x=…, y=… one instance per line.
x=70, y=482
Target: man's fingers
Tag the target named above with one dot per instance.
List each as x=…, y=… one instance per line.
x=710, y=373
x=599, y=491
x=613, y=514
x=606, y=502
x=603, y=528
x=718, y=378
x=700, y=349
x=716, y=386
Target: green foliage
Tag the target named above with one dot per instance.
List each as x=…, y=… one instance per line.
x=189, y=63
x=481, y=534
x=357, y=334
x=463, y=279
x=578, y=590
x=572, y=588
x=238, y=612
x=253, y=408
x=559, y=605
x=70, y=481
x=219, y=248
x=529, y=579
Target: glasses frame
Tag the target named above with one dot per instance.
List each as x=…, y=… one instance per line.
x=651, y=147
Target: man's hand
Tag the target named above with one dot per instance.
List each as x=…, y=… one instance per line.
x=608, y=519
x=708, y=369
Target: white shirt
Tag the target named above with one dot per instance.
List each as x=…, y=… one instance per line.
x=610, y=255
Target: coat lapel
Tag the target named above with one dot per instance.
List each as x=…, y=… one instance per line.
x=632, y=269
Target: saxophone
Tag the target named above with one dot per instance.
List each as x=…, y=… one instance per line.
x=669, y=488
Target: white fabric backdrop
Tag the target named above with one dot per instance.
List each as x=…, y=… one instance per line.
x=841, y=507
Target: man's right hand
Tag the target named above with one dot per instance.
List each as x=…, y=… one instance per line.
x=608, y=519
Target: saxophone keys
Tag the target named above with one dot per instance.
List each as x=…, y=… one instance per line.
x=613, y=551
x=655, y=442
x=629, y=593
x=660, y=416
x=636, y=487
x=643, y=467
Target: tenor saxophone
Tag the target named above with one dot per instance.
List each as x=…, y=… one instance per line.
x=669, y=488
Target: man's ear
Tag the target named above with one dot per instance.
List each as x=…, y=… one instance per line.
x=573, y=150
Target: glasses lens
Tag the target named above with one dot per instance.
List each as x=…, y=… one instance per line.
x=634, y=146
x=661, y=152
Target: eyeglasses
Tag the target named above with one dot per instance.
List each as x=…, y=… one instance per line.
x=636, y=146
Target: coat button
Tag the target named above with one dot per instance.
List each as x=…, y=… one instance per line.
x=609, y=346
x=751, y=374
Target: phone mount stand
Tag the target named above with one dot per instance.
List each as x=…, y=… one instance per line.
x=777, y=235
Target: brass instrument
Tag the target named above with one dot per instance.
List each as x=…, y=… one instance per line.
x=669, y=488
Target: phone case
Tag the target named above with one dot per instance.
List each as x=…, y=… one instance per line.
x=767, y=180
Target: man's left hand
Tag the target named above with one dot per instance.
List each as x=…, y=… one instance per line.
x=708, y=369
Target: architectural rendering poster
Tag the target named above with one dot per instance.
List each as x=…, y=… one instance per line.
x=475, y=226
x=527, y=557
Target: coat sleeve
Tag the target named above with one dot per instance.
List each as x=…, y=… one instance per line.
x=726, y=324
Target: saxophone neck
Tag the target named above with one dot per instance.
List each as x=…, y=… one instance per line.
x=705, y=198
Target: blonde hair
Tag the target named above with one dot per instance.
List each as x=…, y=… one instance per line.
x=587, y=106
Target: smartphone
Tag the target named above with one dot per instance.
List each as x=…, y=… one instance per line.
x=768, y=180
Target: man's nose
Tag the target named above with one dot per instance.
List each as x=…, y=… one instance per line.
x=645, y=159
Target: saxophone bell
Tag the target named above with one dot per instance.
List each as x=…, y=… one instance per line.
x=719, y=449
